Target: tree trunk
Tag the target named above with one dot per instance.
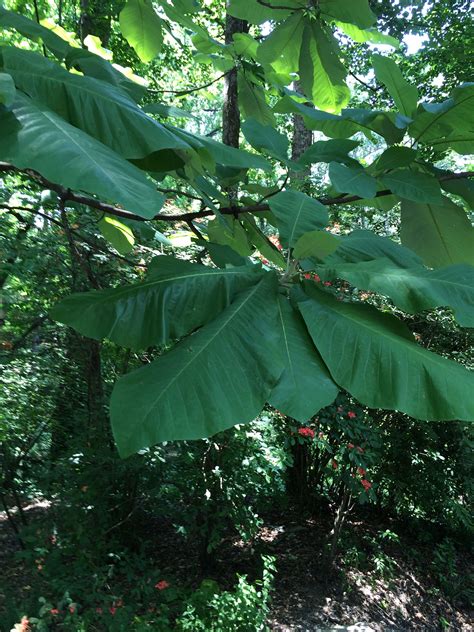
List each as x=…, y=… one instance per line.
x=302, y=140
x=230, y=110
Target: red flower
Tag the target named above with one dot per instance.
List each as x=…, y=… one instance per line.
x=307, y=275
x=306, y=432
x=112, y=610
x=351, y=446
x=317, y=278
x=366, y=484
x=54, y=611
x=351, y=414
x=361, y=471
x=72, y=609
x=334, y=464
x=162, y=585
x=360, y=450
x=327, y=283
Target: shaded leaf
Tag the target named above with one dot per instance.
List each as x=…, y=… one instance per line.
x=305, y=385
x=218, y=377
x=413, y=185
x=118, y=234
x=296, y=214
x=415, y=289
x=36, y=138
x=404, y=94
x=176, y=298
x=316, y=243
x=440, y=233
x=352, y=180
x=375, y=358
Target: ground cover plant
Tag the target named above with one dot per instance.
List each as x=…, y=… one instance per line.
x=236, y=314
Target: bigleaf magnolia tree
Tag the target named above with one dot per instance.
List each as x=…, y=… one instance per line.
x=236, y=333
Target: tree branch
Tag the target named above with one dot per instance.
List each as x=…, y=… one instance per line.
x=68, y=195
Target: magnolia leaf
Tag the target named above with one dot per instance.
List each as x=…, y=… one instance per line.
x=7, y=89
x=404, y=94
x=142, y=28
x=263, y=245
x=176, y=298
x=70, y=157
x=252, y=102
x=440, y=233
x=322, y=76
x=216, y=378
x=120, y=236
x=305, y=385
x=439, y=122
x=228, y=231
x=352, y=180
x=415, y=289
x=330, y=150
x=352, y=11
x=96, y=107
x=282, y=47
x=296, y=214
x=395, y=157
x=316, y=243
x=374, y=357
x=266, y=137
x=414, y=186
x=367, y=35
x=364, y=245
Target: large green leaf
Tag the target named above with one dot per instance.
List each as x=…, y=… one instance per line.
x=367, y=35
x=440, y=233
x=142, y=28
x=282, y=47
x=98, y=108
x=329, y=151
x=395, y=157
x=438, y=124
x=216, y=378
x=375, y=358
x=266, y=137
x=176, y=298
x=117, y=233
x=296, y=214
x=349, y=123
x=322, y=75
x=260, y=241
x=256, y=13
x=252, y=102
x=352, y=180
x=34, y=137
x=462, y=187
x=404, y=94
x=353, y=11
x=364, y=245
x=34, y=31
x=305, y=385
x=7, y=89
x=316, y=243
x=413, y=185
x=415, y=289
x=228, y=231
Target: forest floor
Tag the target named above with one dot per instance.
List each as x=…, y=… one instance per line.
x=305, y=599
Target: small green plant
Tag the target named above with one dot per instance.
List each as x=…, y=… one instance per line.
x=243, y=609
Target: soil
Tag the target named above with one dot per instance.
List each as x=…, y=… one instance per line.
x=307, y=597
